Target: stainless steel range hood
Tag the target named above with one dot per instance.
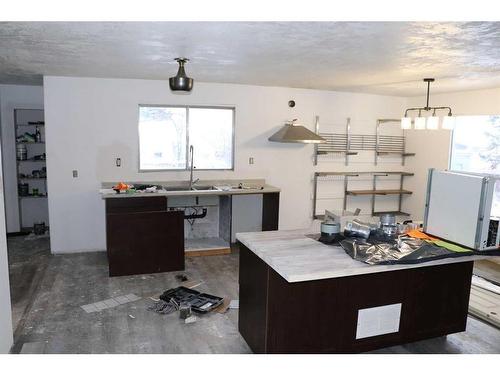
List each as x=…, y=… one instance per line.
x=291, y=133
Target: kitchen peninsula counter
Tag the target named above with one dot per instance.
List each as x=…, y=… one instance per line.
x=298, y=295
x=146, y=231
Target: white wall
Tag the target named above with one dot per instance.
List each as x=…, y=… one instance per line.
x=12, y=97
x=90, y=122
x=432, y=147
x=6, y=338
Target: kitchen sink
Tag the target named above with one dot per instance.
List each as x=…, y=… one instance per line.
x=186, y=188
x=204, y=188
x=177, y=188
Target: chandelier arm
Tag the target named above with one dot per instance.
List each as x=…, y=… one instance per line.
x=426, y=109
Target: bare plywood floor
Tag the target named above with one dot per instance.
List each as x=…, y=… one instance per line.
x=51, y=320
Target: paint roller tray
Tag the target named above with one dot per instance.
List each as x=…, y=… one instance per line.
x=200, y=302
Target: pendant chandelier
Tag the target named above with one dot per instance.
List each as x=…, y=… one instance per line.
x=428, y=122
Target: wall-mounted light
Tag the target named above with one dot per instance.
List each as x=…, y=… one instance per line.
x=431, y=121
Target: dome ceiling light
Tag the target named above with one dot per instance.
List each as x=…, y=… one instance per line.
x=430, y=122
x=181, y=82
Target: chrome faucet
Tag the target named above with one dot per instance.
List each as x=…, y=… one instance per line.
x=191, y=182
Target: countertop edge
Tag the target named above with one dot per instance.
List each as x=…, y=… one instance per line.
x=362, y=270
x=266, y=189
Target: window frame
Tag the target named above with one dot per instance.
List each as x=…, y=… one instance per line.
x=187, y=107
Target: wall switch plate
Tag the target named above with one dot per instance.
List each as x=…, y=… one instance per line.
x=75, y=173
x=118, y=162
x=250, y=160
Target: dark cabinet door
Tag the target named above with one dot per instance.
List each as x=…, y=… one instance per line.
x=144, y=242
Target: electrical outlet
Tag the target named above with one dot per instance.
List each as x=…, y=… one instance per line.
x=75, y=173
x=118, y=162
x=250, y=160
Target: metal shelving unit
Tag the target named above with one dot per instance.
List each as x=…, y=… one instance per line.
x=350, y=144
x=370, y=192
x=23, y=166
x=390, y=145
x=336, y=143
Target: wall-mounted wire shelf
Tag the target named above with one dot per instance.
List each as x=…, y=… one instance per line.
x=374, y=175
x=350, y=144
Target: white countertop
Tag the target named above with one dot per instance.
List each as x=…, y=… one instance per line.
x=257, y=186
x=299, y=258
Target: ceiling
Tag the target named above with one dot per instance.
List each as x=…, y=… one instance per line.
x=373, y=57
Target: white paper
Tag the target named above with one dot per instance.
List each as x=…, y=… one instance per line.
x=378, y=320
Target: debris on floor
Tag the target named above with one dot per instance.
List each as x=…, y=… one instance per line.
x=164, y=307
x=222, y=309
x=190, y=319
x=109, y=303
x=192, y=284
x=181, y=277
x=185, y=300
x=235, y=304
x=131, y=316
x=184, y=311
x=200, y=303
x=33, y=237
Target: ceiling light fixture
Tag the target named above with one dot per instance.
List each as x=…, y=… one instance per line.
x=420, y=122
x=432, y=121
x=406, y=123
x=181, y=82
x=448, y=122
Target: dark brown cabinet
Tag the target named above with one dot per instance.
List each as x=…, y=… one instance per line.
x=143, y=237
x=321, y=316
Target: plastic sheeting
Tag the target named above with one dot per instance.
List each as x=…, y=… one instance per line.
x=404, y=249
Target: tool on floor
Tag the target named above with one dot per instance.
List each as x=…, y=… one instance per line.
x=184, y=311
x=164, y=307
x=200, y=303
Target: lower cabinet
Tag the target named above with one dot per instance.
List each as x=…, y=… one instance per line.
x=143, y=237
x=323, y=316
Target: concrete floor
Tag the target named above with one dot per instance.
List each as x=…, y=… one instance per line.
x=47, y=292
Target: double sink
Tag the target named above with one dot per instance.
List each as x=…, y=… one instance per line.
x=194, y=188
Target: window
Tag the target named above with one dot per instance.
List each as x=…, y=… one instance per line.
x=165, y=134
x=476, y=148
x=476, y=144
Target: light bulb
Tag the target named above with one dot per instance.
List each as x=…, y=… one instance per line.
x=448, y=122
x=406, y=123
x=420, y=123
x=433, y=123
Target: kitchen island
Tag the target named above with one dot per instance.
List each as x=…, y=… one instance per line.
x=298, y=295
